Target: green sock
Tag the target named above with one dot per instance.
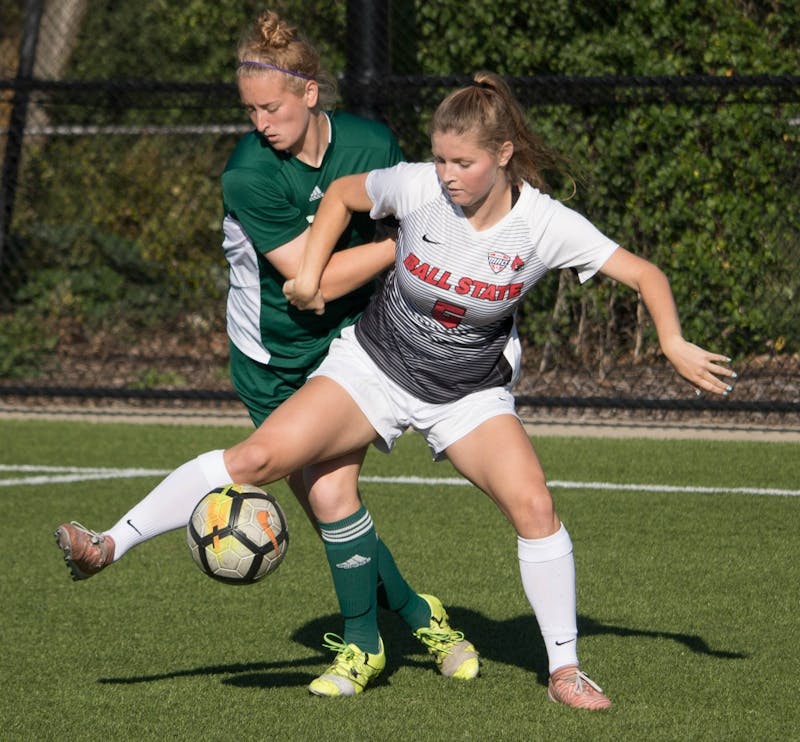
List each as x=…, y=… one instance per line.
x=352, y=550
x=398, y=594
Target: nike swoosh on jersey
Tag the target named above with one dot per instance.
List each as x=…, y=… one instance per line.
x=425, y=238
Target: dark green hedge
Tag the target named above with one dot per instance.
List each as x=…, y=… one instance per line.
x=123, y=231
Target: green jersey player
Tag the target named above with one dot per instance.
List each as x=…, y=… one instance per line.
x=270, y=198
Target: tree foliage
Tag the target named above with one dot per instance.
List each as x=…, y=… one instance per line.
x=128, y=226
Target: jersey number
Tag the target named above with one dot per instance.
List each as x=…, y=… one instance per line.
x=449, y=315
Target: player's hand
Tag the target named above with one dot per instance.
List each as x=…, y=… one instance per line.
x=302, y=300
x=301, y=290
x=705, y=371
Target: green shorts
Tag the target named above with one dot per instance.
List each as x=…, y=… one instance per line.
x=262, y=387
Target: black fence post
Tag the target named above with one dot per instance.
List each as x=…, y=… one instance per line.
x=16, y=127
x=367, y=54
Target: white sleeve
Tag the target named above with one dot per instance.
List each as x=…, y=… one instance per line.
x=398, y=190
x=570, y=240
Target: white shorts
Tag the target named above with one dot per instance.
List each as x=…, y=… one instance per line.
x=391, y=410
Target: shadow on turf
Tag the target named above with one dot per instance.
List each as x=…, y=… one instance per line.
x=514, y=641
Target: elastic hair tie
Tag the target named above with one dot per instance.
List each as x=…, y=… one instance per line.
x=267, y=66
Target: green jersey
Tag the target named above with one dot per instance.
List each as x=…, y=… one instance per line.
x=269, y=198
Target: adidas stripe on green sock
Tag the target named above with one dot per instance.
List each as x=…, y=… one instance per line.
x=352, y=550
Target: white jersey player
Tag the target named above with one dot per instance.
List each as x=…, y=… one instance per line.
x=435, y=349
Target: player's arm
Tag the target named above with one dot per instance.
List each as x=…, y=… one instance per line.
x=346, y=270
x=342, y=197
x=698, y=366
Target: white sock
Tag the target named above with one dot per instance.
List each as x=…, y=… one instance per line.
x=170, y=504
x=548, y=579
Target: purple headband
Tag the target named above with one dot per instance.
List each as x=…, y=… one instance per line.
x=267, y=66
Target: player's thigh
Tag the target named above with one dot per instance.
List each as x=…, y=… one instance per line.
x=318, y=423
x=498, y=457
x=495, y=454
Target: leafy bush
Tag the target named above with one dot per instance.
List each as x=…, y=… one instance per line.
x=126, y=229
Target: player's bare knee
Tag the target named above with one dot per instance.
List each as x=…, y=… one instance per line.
x=533, y=515
x=253, y=462
x=331, y=500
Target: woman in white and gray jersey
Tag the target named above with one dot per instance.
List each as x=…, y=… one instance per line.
x=436, y=348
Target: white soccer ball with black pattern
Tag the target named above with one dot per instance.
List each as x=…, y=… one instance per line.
x=237, y=534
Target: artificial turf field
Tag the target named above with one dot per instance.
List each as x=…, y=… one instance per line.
x=688, y=564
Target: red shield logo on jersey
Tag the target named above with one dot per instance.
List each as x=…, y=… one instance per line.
x=498, y=261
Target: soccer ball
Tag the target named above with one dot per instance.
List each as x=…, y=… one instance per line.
x=237, y=534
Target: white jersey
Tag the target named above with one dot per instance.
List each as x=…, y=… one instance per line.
x=441, y=322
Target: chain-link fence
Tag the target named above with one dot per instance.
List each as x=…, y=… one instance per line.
x=113, y=280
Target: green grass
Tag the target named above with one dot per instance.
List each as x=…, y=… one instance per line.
x=687, y=602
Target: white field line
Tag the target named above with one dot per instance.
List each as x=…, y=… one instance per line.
x=563, y=484
x=66, y=474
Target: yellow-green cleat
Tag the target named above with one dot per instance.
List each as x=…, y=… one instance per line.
x=351, y=671
x=454, y=655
